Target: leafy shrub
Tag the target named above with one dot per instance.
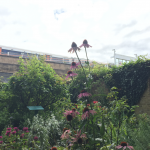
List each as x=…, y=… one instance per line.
x=4, y=119
x=48, y=131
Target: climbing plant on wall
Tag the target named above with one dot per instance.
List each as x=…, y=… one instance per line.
x=130, y=79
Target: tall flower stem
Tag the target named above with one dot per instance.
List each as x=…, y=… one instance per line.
x=82, y=67
x=87, y=59
x=72, y=78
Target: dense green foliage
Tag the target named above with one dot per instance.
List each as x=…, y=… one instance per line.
x=131, y=79
x=35, y=84
x=116, y=92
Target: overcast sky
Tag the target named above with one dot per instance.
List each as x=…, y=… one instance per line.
x=52, y=25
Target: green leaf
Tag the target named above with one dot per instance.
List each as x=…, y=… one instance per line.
x=102, y=129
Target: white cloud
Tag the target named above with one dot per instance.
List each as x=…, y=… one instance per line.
x=31, y=24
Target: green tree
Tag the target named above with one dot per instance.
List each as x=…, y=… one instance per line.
x=35, y=84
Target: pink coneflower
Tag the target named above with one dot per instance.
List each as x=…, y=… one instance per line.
x=83, y=94
x=87, y=112
x=1, y=142
x=35, y=138
x=73, y=47
x=14, y=132
x=1, y=137
x=65, y=134
x=8, y=129
x=25, y=128
x=70, y=114
x=16, y=128
x=71, y=74
x=78, y=138
x=27, y=131
x=85, y=44
x=74, y=65
x=74, y=112
x=124, y=145
x=94, y=102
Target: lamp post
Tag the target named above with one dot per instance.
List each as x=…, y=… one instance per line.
x=114, y=56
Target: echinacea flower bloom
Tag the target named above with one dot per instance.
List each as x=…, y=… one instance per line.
x=78, y=138
x=94, y=102
x=27, y=131
x=14, y=132
x=74, y=112
x=65, y=134
x=1, y=137
x=124, y=145
x=85, y=44
x=74, y=65
x=35, y=138
x=25, y=128
x=1, y=142
x=71, y=74
x=73, y=47
x=54, y=148
x=84, y=94
x=87, y=112
x=8, y=129
x=70, y=114
x=16, y=128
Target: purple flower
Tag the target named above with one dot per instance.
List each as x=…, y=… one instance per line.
x=74, y=65
x=78, y=138
x=87, y=112
x=73, y=47
x=27, y=131
x=16, y=128
x=14, y=132
x=71, y=74
x=1, y=137
x=65, y=134
x=124, y=145
x=7, y=133
x=25, y=128
x=85, y=44
x=8, y=128
x=83, y=94
x=1, y=142
x=35, y=138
